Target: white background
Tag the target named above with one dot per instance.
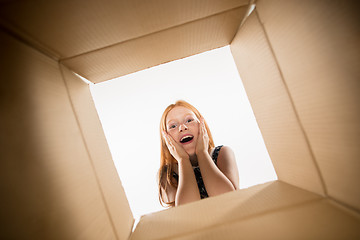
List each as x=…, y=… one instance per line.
x=130, y=109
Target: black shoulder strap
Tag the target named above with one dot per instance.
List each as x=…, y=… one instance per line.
x=216, y=154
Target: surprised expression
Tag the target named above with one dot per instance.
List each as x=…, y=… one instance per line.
x=183, y=126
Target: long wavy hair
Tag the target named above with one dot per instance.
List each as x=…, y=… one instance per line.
x=167, y=161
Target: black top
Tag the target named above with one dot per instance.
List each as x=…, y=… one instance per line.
x=199, y=180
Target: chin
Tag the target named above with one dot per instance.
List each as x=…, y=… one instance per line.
x=191, y=152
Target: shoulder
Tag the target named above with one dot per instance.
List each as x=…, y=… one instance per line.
x=215, y=152
x=221, y=154
x=227, y=164
x=225, y=149
x=225, y=153
x=221, y=150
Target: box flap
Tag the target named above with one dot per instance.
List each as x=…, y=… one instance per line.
x=221, y=210
x=310, y=220
x=114, y=197
x=70, y=28
x=48, y=186
x=154, y=49
x=271, y=102
x=316, y=44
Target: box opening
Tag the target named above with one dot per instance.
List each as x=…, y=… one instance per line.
x=130, y=108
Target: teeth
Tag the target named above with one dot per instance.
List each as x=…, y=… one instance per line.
x=182, y=139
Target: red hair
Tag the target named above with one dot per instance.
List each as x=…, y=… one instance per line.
x=167, y=161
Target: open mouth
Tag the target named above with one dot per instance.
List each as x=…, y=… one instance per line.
x=186, y=139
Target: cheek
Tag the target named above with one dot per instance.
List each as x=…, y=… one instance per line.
x=196, y=133
x=197, y=126
x=173, y=135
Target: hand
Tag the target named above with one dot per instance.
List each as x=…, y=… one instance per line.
x=176, y=150
x=202, y=144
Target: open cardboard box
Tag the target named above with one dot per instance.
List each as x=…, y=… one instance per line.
x=299, y=63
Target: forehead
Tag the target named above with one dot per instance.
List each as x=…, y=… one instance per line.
x=178, y=113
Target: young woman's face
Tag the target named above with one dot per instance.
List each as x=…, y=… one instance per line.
x=183, y=126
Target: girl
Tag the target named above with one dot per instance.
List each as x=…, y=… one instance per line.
x=186, y=148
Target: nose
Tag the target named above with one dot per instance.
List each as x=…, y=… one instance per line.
x=182, y=127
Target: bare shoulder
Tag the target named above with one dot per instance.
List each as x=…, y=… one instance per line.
x=226, y=151
x=226, y=156
x=226, y=162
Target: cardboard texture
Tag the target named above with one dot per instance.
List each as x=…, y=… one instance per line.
x=238, y=205
x=99, y=155
x=311, y=220
x=70, y=28
x=299, y=64
x=101, y=40
x=279, y=124
x=154, y=49
x=322, y=74
x=48, y=186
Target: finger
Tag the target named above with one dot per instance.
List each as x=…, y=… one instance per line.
x=201, y=132
x=170, y=141
x=176, y=145
x=167, y=141
x=204, y=127
x=167, y=137
x=202, y=123
x=168, y=145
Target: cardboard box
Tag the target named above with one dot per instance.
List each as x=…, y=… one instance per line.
x=298, y=61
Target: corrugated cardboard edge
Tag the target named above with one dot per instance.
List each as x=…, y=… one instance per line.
x=316, y=49
x=28, y=40
x=225, y=209
x=150, y=50
x=273, y=108
x=48, y=185
x=109, y=184
x=301, y=221
x=111, y=21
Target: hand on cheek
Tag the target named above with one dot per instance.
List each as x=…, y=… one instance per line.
x=176, y=150
x=203, y=138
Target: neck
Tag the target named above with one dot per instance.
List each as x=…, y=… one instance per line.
x=193, y=160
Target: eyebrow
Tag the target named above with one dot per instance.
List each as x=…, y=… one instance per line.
x=171, y=121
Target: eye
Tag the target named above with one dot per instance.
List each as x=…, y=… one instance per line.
x=172, y=126
x=189, y=120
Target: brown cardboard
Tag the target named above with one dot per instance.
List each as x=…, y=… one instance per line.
x=311, y=220
x=273, y=210
x=273, y=108
x=154, y=49
x=48, y=186
x=57, y=178
x=225, y=209
x=316, y=45
x=106, y=39
x=70, y=28
x=105, y=172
